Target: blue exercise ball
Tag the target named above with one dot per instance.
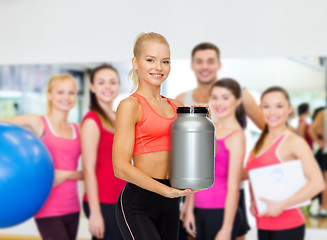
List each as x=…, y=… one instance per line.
x=26, y=174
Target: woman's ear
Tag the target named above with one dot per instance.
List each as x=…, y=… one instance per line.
x=134, y=63
x=91, y=87
x=49, y=95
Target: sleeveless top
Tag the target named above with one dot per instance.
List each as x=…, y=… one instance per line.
x=188, y=99
x=109, y=186
x=290, y=218
x=215, y=196
x=306, y=134
x=65, y=152
x=152, y=131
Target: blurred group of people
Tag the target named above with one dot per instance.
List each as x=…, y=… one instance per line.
x=125, y=154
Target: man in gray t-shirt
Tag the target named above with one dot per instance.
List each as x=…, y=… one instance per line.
x=205, y=65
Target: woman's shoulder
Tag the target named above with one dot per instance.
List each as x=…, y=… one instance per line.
x=129, y=102
x=294, y=140
x=236, y=135
x=235, y=139
x=33, y=121
x=90, y=114
x=176, y=102
x=38, y=119
x=129, y=110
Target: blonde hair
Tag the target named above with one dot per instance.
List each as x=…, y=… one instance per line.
x=141, y=38
x=55, y=80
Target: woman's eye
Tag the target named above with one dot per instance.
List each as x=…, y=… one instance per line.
x=150, y=60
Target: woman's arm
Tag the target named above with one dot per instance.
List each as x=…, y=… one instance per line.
x=317, y=124
x=64, y=175
x=128, y=114
x=252, y=109
x=90, y=136
x=244, y=174
x=188, y=218
x=252, y=203
x=31, y=122
x=236, y=147
x=315, y=183
x=301, y=129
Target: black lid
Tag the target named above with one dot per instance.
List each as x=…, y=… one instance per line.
x=192, y=110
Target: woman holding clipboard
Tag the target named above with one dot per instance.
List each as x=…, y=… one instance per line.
x=277, y=145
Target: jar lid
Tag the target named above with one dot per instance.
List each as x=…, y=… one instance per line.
x=192, y=110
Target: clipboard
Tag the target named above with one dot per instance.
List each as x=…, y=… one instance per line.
x=277, y=182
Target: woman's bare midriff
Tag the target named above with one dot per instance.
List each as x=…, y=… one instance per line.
x=155, y=165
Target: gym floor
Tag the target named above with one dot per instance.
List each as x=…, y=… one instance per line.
x=316, y=230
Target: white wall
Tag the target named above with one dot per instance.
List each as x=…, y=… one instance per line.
x=61, y=31
x=253, y=73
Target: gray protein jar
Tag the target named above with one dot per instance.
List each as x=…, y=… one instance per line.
x=192, y=149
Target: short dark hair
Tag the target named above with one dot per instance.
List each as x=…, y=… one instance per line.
x=302, y=108
x=206, y=46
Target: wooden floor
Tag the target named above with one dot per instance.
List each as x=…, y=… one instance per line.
x=313, y=222
x=17, y=237
x=11, y=237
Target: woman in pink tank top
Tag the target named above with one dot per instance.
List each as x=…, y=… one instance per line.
x=214, y=213
x=277, y=144
x=59, y=216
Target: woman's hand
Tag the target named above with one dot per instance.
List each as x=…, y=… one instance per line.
x=61, y=176
x=252, y=209
x=274, y=208
x=174, y=192
x=189, y=223
x=206, y=106
x=96, y=225
x=64, y=175
x=223, y=235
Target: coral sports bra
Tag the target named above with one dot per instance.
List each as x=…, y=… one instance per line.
x=152, y=131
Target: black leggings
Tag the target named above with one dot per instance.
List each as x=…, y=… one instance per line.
x=245, y=227
x=59, y=227
x=209, y=221
x=145, y=215
x=289, y=234
x=109, y=217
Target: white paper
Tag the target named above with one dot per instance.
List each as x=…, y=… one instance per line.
x=277, y=182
